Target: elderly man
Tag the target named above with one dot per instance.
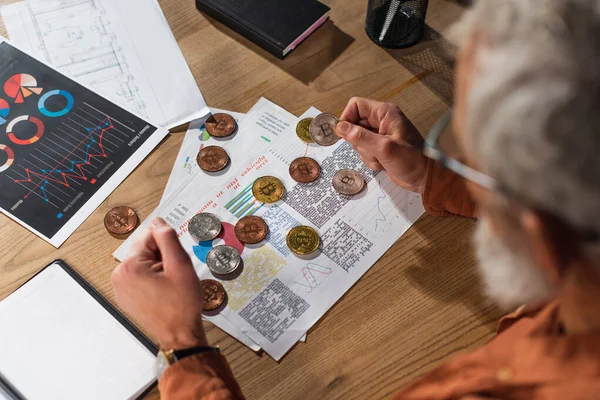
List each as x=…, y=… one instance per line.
x=526, y=124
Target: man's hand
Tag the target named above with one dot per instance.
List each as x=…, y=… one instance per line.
x=385, y=139
x=158, y=286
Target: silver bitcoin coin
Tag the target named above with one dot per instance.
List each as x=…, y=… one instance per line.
x=322, y=129
x=204, y=227
x=223, y=260
x=348, y=182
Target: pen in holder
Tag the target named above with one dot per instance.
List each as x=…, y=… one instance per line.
x=396, y=24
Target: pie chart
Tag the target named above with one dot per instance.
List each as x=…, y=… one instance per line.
x=39, y=130
x=4, y=109
x=20, y=86
x=10, y=157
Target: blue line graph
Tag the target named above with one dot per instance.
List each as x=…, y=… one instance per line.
x=379, y=198
x=76, y=170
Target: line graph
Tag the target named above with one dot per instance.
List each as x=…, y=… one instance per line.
x=381, y=218
x=64, y=148
x=72, y=153
x=388, y=203
x=76, y=170
x=312, y=276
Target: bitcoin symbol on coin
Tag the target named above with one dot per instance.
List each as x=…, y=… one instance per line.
x=211, y=157
x=268, y=190
x=347, y=180
x=223, y=259
x=251, y=229
x=303, y=240
x=327, y=129
x=304, y=169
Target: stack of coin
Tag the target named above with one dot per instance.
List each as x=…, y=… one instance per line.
x=268, y=189
x=305, y=170
x=214, y=294
x=212, y=159
x=251, y=229
x=322, y=129
x=223, y=260
x=303, y=130
x=204, y=227
x=303, y=240
x=348, y=182
x=221, y=125
x=121, y=221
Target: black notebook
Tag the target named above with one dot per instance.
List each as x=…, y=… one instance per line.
x=278, y=26
x=60, y=339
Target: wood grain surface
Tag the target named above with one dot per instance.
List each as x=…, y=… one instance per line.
x=420, y=304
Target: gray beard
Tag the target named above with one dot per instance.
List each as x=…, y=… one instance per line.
x=510, y=275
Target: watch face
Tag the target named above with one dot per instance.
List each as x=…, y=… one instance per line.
x=161, y=364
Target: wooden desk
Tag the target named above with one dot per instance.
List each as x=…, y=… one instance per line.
x=418, y=305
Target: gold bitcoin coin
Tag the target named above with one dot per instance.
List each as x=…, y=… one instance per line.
x=303, y=240
x=303, y=130
x=268, y=189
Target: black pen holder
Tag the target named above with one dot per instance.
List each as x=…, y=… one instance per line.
x=396, y=24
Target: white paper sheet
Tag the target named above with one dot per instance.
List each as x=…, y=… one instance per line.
x=257, y=131
x=124, y=49
x=195, y=139
x=280, y=296
x=58, y=342
x=262, y=126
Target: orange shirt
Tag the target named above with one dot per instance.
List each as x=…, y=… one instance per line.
x=530, y=358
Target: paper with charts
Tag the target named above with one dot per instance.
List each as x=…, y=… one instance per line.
x=279, y=296
x=122, y=48
x=257, y=131
x=196, y=138
x=63, y=148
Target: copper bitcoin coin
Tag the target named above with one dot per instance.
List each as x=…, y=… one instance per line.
x=212, y=159
x=322, y=129
x=251, y=229
x=220, y=125
x=348, y=182
x=214, y=294
x=305, y=170
x=121, y=221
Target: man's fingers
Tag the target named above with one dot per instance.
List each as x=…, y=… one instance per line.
x=358, y=136
x=372, y=164
x=357, y=109
x=368, y=159
x=144, y=246
x=173, y=255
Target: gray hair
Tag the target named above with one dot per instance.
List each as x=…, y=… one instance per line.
x=533, y=111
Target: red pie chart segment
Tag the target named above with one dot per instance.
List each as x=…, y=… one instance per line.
x=21, y=86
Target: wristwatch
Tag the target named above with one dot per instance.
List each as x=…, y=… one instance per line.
x=166, y=358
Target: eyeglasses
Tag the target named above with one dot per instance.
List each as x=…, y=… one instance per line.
x=432, y=150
